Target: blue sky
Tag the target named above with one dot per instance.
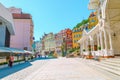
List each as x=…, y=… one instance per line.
x=52, y=15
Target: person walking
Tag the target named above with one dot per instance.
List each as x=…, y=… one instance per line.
x=11, y=60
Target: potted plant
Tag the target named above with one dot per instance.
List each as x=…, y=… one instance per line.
x=89, y=49
x=84, y=50
x=99, y=48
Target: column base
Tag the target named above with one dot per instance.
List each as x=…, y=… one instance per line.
x=89, y=57
x=103, y=57
x=108, y=56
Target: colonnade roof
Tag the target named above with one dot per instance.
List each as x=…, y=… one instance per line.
x=86, y=34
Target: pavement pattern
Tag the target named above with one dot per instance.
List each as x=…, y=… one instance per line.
x=52, y=69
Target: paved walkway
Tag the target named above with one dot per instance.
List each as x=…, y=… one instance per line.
x=55, y=69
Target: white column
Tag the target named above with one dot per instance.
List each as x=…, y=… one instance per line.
x=81, y=49
x=110, y=40
x=111, y=48
x=98, y=43
x=92, y=46
x=83, y=45
x=101, y=40
x=92, y=43
x=87, y=45
x=80, y=46
x=105, y=39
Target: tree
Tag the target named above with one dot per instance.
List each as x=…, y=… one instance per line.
x=83, y=22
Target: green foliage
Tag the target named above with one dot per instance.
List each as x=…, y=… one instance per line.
x=51, y=54
x=81, y=23
x=99, y=48
x=32, y=57
x=19, y=60
x=3, y=63
x=34, y=50
x=84, y=50
x=73, y=49
x=89, y=49
x=63, y=54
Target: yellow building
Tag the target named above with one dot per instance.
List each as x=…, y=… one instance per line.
x=77, y=32
x=76, y=35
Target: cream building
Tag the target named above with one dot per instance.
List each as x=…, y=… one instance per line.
x=103, y=39
x=49, y=42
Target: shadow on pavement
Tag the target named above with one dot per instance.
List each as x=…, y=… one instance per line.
x=7, y=71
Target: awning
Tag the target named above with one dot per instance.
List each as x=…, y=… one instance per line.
x=5, y=51
x=28, y=52
x=14, y=50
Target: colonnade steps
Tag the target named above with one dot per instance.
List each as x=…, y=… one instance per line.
x=109, y=66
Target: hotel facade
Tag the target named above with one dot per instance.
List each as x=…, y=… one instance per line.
x=23, y=39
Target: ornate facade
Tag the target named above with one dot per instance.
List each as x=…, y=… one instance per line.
x=49, y=42
x=63, y=40
x=103, y=39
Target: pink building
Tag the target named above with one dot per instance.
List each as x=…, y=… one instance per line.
x=23, y=37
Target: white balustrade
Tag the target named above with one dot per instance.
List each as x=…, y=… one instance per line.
x=86, y=53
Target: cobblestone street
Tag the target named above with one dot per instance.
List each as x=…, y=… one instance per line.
x=52, y=69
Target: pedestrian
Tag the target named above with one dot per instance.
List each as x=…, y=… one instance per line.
x=45, y=54
x=11, y=60
x=26, y=58
x=40, y=55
